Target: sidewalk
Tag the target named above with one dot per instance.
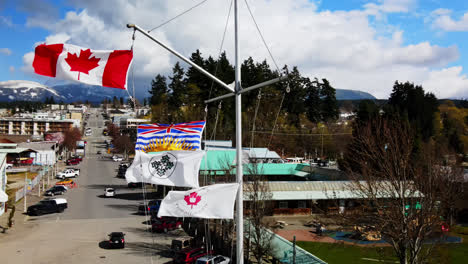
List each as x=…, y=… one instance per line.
x=20, y=218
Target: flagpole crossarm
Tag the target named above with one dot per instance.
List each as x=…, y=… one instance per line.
x=180, y=56
x=253, y=87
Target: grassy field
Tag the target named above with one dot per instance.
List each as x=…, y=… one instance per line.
x=340, y=253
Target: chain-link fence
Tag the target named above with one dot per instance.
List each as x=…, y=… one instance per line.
x=30, y=184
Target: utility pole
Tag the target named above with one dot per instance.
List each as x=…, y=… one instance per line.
x=294, y=250
x=25, y=190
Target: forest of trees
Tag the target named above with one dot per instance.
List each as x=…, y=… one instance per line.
x=307, y=104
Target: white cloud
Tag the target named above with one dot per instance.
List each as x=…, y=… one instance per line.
x=27, y=63
x=342, y=46
x=6, y=21
x=5, y=51
x=11, y=69
x=389, y=6
x=447, y=83
x=442, y=20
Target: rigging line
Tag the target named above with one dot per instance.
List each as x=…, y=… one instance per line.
x=276, y=120
x=213, y=135
x=261, y=36
x=259, y=96
x=186, y=11
x=221, y=48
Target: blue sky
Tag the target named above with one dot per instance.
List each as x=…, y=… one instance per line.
x=356, y=44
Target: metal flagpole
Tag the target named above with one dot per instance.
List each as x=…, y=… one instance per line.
x=239, y=173
x=237, y=93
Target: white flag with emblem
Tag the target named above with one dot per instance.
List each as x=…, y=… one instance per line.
x=171, y=168
x=212, y=201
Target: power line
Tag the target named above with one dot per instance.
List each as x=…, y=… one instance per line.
x=296, y=134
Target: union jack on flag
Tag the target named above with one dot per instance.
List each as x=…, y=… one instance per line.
x=186, y=133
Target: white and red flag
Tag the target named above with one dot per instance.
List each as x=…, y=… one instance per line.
x=212, y=201
x=107, y=68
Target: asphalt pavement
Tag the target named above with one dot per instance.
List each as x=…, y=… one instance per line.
x=78, y=235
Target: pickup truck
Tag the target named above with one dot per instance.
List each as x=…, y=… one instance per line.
x=48, y=206
x=68, y=173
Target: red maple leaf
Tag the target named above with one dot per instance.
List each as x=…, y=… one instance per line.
x=192, y=199
x=82, y=63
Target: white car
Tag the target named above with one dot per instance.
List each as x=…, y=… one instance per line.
x=209, y=259
x=117, y=158
x=109, y=192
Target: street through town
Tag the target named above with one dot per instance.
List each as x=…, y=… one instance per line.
x=77, y=235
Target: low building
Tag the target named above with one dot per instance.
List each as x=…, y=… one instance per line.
x=45, y=153
x=16, y=155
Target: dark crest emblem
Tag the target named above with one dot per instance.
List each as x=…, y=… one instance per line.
x=163, y=165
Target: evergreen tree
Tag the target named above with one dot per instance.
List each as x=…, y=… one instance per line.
x=313, y=102
x=329, y=108
x=294, y=101
x=178, y=96
x=158, y=90
x=367, y=110
x=121, y=101
x=411, y=102
x=115, y=102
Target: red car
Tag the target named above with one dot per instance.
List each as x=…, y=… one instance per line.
x=190, y=255
x=73, y=161
x=165, y=224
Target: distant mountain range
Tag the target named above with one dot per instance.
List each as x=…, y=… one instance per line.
x=32, y=91
x=19, y=90
x=343, y=94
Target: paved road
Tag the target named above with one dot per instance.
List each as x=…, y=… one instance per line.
x=75, y=235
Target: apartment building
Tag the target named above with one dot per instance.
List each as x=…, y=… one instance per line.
x=34, y=126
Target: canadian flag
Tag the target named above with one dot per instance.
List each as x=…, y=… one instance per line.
x=213, y=201
x=96, y=67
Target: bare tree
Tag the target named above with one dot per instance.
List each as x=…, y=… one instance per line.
x=124, y=144
x=71, y=136
x=259, y=203
x=403, y=197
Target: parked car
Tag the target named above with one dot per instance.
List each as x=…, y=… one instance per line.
x=73, y=161
x=68, y=173
x=182, y=243
x=209, y=259
x=151, y=207
x=56, y=190
x=48, y=206
x=67, y=182
x=109, y=192
x=9, y=166
x=98, y=152
x=116, y=240
x=117, y=158
x=189, y=255
x=124, y=165
x=135, y=184
x=166, y=224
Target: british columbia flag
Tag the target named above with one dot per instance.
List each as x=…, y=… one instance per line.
x=189, y=133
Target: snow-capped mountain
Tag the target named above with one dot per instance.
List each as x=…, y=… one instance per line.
x=20, y=90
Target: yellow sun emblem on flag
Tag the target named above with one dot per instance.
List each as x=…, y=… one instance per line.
x=167, y=144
